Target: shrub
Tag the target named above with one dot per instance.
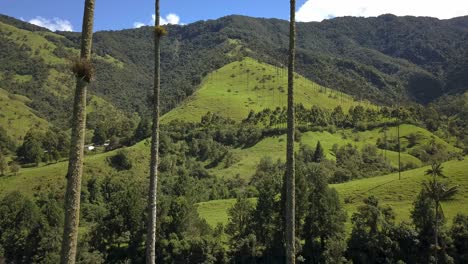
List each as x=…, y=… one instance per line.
x=297, y=135
x=120, y=161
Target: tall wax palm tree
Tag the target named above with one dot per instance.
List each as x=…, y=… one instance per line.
x=159, y=31
x=399, y=149
x=438, y=192
x=83, y=72
x=290, y=163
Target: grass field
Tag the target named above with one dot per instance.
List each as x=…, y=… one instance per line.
x=51, y=177
x=16, y=117
x=405, y=130
x=241, y=86
x=275, y=148
x=399, y=194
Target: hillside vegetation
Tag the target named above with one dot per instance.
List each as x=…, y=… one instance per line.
x=249, y=85
x=232, y=92
x=16, y=116
x=274, y=147
x=369, y=58
x=36, y=64
x=354, y=61
x=399, y=194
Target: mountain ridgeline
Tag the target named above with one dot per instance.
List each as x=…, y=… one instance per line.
x=376, y=58
x=384, y=59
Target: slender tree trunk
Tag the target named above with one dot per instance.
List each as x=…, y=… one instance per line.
x=290, y=163
x=399, y=148
x=436, y=230
x=75, y=164
x=152, y=213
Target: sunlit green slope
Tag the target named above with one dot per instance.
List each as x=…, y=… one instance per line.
x=399, y=194
x=16, y=117
x=241, y=86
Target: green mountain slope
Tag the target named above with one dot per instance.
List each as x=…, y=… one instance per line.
x=246, y=85
x=16, y=117
x=241, y=86
x=227, y=92
x=383, y=59
x=275, y=147
x=388, y=189
x=36, y=64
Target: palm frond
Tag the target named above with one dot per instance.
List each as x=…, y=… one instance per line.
x=447, y=193
x=438, y=191
x=436, y=170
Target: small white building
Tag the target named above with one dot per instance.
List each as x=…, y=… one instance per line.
x=90, y=148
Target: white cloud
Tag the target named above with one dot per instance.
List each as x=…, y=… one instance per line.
x=172, y=18
x=53, y=24
x=169, y=19
x=317, y=10
x=138, y=24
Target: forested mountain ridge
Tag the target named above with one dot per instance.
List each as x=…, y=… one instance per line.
x=401, y=57
x=381, y=58
x=385, y=59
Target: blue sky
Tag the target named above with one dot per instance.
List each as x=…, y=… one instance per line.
x=119, y=14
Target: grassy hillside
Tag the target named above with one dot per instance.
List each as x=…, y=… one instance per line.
x=16, y=117
x=51, y=177
x=405, y=130
x=275, y=147
x=248, y=159
x=232, y=91
x=229, y=92
x=388, y=189
x=36, y=64
x=241, y=86
x=40, y=46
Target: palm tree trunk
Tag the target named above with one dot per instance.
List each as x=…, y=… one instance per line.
x=152, y=217
x=75, y=165
x=436, y=230
x=399, y=147
x=290, y=170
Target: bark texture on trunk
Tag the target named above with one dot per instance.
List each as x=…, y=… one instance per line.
x=152, y=212
x=75, y=165
x=436, y=231
x=290, y=162
x=399, y=146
